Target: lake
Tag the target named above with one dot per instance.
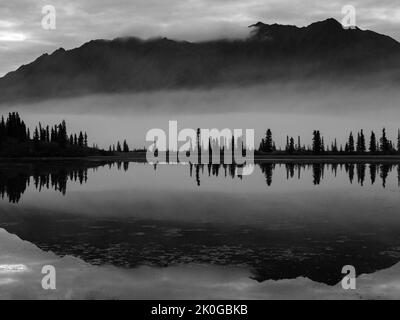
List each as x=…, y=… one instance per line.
x=130, y=230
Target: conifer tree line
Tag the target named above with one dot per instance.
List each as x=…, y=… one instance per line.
x=14, y=130
x=124, y=147
x=357, y=143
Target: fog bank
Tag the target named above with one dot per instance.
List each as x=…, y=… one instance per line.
x=288, y=109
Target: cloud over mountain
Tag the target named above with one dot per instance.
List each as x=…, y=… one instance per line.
x=322, y=50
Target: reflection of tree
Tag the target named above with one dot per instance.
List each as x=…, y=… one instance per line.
x=335, y=168
x=372, y=172
x=385, y=168
x=318, y=169
x=290, y=170
x=267, y=169
x=126, y=166
x=213, y=170
x=361, y=173
x=294, y=169
x=349, y=167
x=15, y=178
x=198, y=174
x=13, y=186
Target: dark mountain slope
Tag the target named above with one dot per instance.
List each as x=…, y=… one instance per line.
x=323, y=50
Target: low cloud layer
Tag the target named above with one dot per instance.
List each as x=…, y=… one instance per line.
x=22, y=38
x=288, y=110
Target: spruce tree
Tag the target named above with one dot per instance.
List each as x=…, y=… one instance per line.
x=80, y=140
x=372, y=143
x=268, y=141
x=363, y=148
x=125, y=147
x=335, y=148
x=322, y=145
x=291, y=147
x=85, y=140
x=358, y=145
x=287, y=144
x=361, y=142
x=351, y=143
x=384, y=142
x=316, y=146
x=47, y=134
x=36, y=135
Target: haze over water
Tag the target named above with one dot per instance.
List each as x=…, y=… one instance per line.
x=288, y=109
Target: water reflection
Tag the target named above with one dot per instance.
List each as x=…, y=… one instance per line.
x=14, y=180
x=295, y=231
x=294, y=170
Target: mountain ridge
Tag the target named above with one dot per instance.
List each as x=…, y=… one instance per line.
x=272, y=52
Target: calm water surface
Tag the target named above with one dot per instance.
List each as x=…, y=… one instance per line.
x=132, y=230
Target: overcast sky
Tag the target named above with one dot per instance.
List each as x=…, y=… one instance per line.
x=22, y=37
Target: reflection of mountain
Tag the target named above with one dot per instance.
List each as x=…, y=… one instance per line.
x=279, y=249
x=269, y=254
x=273, y=52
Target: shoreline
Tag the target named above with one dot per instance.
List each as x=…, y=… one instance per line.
x=141, y=157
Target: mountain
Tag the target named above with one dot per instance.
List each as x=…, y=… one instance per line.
x=322, y=50
x=324, y=36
